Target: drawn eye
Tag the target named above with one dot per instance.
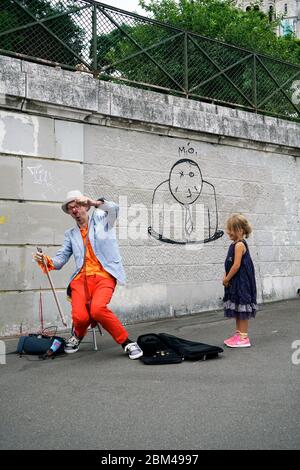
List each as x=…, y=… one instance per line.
x=181, y=174
x=191, y=174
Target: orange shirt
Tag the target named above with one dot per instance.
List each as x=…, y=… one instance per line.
x=92, y=265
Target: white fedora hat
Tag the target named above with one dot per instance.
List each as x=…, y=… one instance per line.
x=71, y=196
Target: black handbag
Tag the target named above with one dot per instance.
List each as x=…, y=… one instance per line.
x=41, y=345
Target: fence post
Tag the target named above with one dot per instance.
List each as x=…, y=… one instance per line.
x=186, y=66
x=94, y=40
x=254, y=84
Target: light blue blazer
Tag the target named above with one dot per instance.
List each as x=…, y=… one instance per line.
x=102, y=236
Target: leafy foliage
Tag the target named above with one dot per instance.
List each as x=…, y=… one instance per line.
x=221, y=20
x=35, y=40
x=206, y=63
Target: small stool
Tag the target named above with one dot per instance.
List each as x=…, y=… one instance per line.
x=91, y=329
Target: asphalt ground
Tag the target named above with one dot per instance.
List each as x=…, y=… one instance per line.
x=246, y=399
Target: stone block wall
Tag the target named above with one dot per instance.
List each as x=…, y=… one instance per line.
x=64, y=130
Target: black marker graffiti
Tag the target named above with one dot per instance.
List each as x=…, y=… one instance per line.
x=184, y=207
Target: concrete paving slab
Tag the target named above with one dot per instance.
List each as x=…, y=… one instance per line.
x=247, y=399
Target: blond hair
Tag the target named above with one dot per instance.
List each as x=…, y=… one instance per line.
x=238, y=222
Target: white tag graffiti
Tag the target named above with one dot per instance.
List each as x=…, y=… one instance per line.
x=42, y=176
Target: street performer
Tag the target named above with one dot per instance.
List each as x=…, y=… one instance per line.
x=98, y=268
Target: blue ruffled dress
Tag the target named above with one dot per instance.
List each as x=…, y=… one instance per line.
x=240, y=297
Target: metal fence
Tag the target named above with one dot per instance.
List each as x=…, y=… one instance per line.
x=117, y=45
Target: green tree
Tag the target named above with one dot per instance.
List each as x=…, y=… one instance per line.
x=221, y=20
x=35, y=40
x=213, y=60
x=119, y=54
x=110, y=46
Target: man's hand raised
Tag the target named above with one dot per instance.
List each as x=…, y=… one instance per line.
x=87, y=202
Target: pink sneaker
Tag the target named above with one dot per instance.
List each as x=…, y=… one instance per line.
x=229, y=340
x=238, y=342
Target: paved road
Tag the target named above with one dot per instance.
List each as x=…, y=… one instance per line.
x=248, y=399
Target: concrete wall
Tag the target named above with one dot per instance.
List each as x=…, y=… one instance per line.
x=62, y=130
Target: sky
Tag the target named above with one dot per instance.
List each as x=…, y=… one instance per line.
x=129, y=5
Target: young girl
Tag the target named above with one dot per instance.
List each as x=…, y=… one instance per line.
x=239, y=281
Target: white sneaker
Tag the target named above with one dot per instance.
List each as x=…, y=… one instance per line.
x=72, y=345
x=133, y=350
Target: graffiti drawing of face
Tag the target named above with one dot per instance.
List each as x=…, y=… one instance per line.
x=185, y=181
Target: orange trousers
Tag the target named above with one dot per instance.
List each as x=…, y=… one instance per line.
x=100, y=290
